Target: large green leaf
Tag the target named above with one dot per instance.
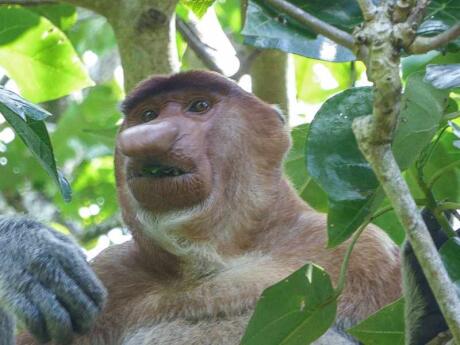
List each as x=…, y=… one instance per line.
x=447, y=187
x=386, y=327
x=266, y=27
x=337, y=164
x=27, y=121
x=297, y=172
x=38, y=56
x=295, y=311
x=333, y=157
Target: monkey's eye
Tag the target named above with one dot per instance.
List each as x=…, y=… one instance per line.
x=149, y=115
x=199, y=106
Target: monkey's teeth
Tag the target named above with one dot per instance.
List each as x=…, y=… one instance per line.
x=159, y=171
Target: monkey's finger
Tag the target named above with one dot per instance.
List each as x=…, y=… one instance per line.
x=79, y=270
x=70, y=242
x=81, y=308
x=58, y=322
x=28, y=315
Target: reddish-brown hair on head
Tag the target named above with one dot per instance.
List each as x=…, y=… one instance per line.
x=191, y=80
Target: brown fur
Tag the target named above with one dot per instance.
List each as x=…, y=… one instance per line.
x=205, y=246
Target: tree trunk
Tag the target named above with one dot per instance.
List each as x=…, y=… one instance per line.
x=273, y=81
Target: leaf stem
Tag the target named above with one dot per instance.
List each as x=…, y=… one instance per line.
x=346, y=259
x=438, y=174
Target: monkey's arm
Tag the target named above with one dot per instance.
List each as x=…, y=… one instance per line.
x=45, y=282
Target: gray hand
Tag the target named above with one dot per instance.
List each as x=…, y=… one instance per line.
x=45, y=281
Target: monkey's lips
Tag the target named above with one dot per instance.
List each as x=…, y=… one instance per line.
x=157, y=171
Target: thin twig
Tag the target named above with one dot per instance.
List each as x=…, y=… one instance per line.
x=418, y=13
x=201, y=50
x=424, y=44
x=447, y=205
x=318, y=26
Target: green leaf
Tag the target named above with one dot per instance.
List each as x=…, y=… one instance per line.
x=295, y=311
x=450, y=254
x=266, y=27
x=333, y=157
x=422, y=107
x=27, y=120
x=199, y=7
x=63, y=16
x=336, y=163
x=447, y=187
x=92, y=33
x=38, y=56
x=416, y=63
x=385, y=327
x=229, y=14
x=345, y=216
x=443, y=76
x=295, y=168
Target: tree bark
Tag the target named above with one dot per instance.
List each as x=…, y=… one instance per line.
x=146, y=36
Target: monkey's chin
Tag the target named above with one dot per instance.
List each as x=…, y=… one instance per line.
x=164, y=194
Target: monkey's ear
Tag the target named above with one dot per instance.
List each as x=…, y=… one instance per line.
x=279, y=112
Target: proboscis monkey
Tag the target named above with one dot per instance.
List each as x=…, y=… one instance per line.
x=199, y=171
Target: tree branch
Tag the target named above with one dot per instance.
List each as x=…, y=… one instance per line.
x=318, y=26
x=424, y=44
x=374, y=135
x=367, y=8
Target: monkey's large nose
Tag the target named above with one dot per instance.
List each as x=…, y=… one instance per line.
x=148, y=139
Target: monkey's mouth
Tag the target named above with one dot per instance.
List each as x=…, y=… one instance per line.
x=160, y=171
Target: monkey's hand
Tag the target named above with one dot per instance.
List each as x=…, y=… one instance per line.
x=45, y=281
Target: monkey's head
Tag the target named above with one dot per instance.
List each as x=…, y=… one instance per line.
x=195, y=137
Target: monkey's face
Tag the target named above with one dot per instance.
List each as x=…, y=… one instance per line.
x=163, y=147
x=191, y=136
